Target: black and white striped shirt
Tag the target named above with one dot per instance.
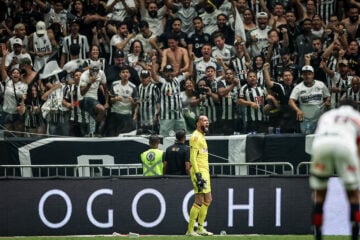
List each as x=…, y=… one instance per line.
x=170, y=102
x=81, y=40
x=149, y=98
x=229, y=109
x=257, y=95
x=239, y=67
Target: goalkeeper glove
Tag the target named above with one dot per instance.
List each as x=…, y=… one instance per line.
x=200, y=182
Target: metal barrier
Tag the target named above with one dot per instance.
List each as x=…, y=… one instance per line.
x=104, y=170
x=303, y=168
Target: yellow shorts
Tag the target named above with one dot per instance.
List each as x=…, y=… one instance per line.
x=206, y=176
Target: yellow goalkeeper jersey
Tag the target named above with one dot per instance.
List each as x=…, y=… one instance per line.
x=198, y=152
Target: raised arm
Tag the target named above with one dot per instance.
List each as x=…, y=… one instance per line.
x=4, y=52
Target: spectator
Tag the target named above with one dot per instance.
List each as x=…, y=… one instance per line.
x=41, y=44
x=171, y=117
x=14, y=96
x=223, y=27
x=145, y=36
x=152, y=159
x=112, y=72
x=149, y=104
x=353, y=92
x=121, y=40
x=54, y=112
x=161, y=42
x=34, y=122
x=74, y=38
x=189, y=103
x=177, y=156
x=13, y=59
x=55, y=13
x=230, y=120
x=340, y=82
x=303, y=43
x=200, y=64
x=124, y=105
x=317, y=26
x=119, y=10
x=196, y=40
x=271, y=53
x=186, y=11
x=79, y=118
x=277, y=17
x=95, y=56
x=240, y=63
x=249, y=23
x=222, y=51
x=287, y=64
x=252, y=96
x=209, y=17
x=208, y=103
x=28, y=75
x=137, y=57
x=352, y=22
x=175, y=56
x=90, y=82
x=313, y=99
x=153, y=16
x=282, y=90
x=20, y=33
x=259, y=36
x=28, y=15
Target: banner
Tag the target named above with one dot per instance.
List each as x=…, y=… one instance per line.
x=241, y=205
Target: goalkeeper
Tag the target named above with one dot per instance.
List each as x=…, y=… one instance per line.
x=200, y=178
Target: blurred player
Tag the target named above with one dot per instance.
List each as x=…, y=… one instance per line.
x=336, y=147
x=200, y=178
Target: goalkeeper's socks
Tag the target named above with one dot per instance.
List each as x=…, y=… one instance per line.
x=317, y=220
x=202, y=215
x=194, y=213
x=355, y=221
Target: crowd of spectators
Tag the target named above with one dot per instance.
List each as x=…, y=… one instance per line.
x=104, y=68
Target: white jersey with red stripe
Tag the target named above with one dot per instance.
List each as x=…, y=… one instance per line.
x=335, y=148
x=343, y=122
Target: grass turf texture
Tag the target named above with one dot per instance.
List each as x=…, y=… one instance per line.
x=173, y=237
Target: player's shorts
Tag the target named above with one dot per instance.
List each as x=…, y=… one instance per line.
x=332, y=154
x=206, y=176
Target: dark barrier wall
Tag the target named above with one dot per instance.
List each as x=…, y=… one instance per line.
x=256, y=148
x=241, y=205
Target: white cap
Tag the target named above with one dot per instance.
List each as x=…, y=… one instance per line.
x=262, y=14
x=307, y=68
x=40, y=27
x=17, y=41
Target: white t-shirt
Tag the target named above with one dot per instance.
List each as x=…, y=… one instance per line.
x=93, y=89
x=119, y=12
x=10, y=102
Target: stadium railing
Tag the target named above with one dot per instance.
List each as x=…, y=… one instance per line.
x=106, y=170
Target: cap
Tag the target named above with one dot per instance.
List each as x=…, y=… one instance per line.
x=168, y=68
x=40, y=27
x=75, y=20
x=94, y=65
x=144, y=73
x=307, y=68
x=344, y=62
x=119, y=54
x=261, y=14
x=17, y=41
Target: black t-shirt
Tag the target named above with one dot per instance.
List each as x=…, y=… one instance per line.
x=176, y=155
